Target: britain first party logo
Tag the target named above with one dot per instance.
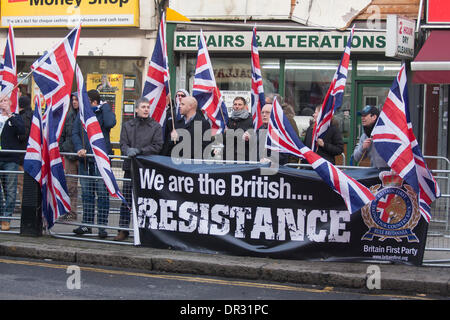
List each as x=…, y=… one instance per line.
x=394, y=213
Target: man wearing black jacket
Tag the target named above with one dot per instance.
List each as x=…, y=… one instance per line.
x=11, y=127
x=139, y=136
x=90, y=188
x=188, y=139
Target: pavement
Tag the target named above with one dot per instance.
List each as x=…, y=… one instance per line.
x=430, y=280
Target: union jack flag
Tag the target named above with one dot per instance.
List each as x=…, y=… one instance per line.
x=53, y=73
x=257, y=92
x=205, y=90
x=156, y=86
x=383, y=204
x=334, y=96
x=33, y=157
x=282, y=138
x=394, y=140
x=8, y=72
x=43, y=162
x=96, y=138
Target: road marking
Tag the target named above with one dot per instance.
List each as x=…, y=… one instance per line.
x=202, y=279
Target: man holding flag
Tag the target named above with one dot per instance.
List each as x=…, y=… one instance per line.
x=88, y=166
x=364, y=148
x=53, y=73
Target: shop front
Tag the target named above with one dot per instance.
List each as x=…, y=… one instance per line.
x=112, y=54
x=118, y=80
x=297, y=64
x=431, y=70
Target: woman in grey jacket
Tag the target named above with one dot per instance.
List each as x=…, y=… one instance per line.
x=139, y=136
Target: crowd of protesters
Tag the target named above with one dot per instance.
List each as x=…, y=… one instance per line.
x=186, y=134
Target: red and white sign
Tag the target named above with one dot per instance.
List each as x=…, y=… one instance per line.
x=399, y=37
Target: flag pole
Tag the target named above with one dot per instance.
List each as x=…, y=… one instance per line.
x=171, y=111
x=364, y=153
x=18, y=84
x=163, y=16
x=362, y=157
x=220, y=108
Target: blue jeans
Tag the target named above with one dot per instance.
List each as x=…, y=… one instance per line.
x=9, y=188
x=89, y=189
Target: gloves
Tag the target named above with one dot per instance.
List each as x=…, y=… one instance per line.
x=132, y=152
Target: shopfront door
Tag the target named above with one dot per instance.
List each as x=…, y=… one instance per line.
x=372, y=93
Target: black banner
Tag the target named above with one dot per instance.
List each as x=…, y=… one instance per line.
x=287, y=213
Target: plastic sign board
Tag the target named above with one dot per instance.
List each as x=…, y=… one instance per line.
x=399, y=37
x=438, y=11
x=68, y=13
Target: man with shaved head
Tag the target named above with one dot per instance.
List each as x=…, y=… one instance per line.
x=186, y=140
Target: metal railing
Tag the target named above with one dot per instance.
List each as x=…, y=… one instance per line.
x=15, y=217
x=63, y=229
x=438, y=238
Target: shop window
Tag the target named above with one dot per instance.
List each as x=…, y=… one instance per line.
x=378, y=68
x=307, y=83
x=233, y=76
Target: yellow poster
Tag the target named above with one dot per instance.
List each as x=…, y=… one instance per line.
x=35, y=91
x=69, y=13
x=110, y=87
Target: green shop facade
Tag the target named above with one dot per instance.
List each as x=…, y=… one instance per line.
x=297, y=64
